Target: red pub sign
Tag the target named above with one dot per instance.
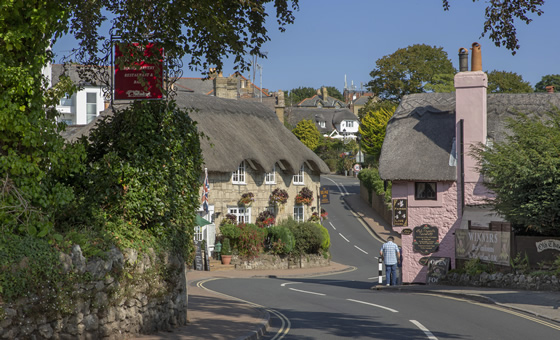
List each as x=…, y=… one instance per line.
x=140, y=79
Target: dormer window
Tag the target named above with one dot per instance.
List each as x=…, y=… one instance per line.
x=322, y=124
x=270, y=177
x=238, y=176
x=299, y=177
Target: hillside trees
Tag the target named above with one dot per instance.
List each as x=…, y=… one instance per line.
x=295, y=96
x=524, y=172
x=408, y=70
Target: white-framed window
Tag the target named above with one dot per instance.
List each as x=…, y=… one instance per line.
x=349, y=124
x=270, y=177
x=67, y=100
x=299, y=213
x=238, y=176
x=91, y=106
x=243, y=214
x=198, y=233
x=299, y=177
x=322, y=124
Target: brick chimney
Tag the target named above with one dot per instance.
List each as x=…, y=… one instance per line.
x=325, y=93
x=550, y=88
x=280, y=106
x=471, y=124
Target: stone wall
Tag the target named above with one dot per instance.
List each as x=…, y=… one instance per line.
x=500, y=280
x=269, y=261
x=120, y=297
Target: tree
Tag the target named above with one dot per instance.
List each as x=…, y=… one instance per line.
x=500, y=17
x=524, y=173
x=295, y=96
x=441, y=83
x=507, y=82
x=372, y=128
x=307, y=133
x=334, y=92
x=408, y=70
x=549, y=79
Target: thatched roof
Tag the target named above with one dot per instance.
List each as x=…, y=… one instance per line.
x=240, y=130
x=237, y=131
x=330, y=117
x=419, y=137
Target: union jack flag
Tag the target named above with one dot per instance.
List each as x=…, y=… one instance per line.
x=205, y=191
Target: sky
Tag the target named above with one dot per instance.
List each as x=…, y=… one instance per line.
x=336, y=39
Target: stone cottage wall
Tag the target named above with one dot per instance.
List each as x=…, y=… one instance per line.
x=224, y=194
x=121, y=298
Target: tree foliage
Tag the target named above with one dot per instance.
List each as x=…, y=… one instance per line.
x=441, y=83
x=524, y=172
x=372, y=128
x=334, y=92
x=206, y=31
x=307, y=133
x=33, y=158
x=408, y=70
x=507, y=82
x=549, y=79
x=500, y=19
x=295, y=96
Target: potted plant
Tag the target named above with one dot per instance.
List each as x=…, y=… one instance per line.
x=305, y=196
x=246, y=199
x=226, y=251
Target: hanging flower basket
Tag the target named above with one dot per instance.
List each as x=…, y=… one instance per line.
x=246, y=199
x=266, y=219
x=277, y=197
x=324, y=214
x=305, y=196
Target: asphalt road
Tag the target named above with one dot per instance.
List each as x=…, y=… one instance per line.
x=343, y=305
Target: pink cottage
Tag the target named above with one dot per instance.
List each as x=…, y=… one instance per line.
x=426, y=155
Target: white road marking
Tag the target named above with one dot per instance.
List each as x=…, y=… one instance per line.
x=288, y=283
x=374, y=305
x=332, y=226
x=304, y=291
x=343, y=237
x=363, y=251
x=424, y=329
x=373, y=278
x=343, y=191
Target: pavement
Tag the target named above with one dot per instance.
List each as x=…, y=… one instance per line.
x=215, y=316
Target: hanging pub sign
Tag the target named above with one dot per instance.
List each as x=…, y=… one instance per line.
x=141, y=75
x=425, y=239
x=324, y=195
x=400, y=213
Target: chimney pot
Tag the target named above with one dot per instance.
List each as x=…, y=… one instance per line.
x=463, y=59
x=550, y=89
x=476, y=62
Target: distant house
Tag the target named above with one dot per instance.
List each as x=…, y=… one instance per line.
x=334, y=123
x=83, y=106
x=248, y=150
x=435, y=182
x=322, y=100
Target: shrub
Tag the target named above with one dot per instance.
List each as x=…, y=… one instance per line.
x=226, y=247
x=373, y=183
x=231, y=232
x=280, y=240
x=326, y=244
x=251, y=240
x=308, y=238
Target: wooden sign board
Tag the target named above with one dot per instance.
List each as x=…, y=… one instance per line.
x=324, y=195
x=400, y=212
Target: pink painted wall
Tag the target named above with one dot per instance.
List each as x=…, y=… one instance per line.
x=441, y=213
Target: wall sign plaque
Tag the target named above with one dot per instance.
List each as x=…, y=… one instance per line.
x=424, y=261
x=425, y=239
x=400, y=212
x=324, y=195
x=406, y=231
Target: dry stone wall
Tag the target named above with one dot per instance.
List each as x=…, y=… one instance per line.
x=546, y=282
x=269, y=261
x=123, y=296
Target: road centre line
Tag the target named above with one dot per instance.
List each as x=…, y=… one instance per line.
x=343, y=237
x=304, y=291
x=363, y=251
x=332, y=226
x=374, y=305
x=424, y=329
